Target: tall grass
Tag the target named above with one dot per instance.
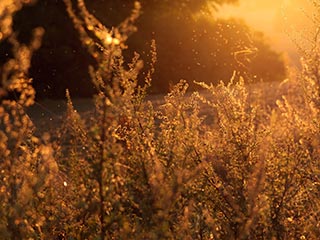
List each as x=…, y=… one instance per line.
x=135, y=171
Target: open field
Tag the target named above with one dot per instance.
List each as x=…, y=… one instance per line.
x=234, y=161
x=50, y=113
x=249, y=169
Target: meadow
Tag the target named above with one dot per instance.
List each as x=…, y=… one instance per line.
x=232, y=161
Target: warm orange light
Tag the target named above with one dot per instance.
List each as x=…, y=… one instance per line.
x=280, y=20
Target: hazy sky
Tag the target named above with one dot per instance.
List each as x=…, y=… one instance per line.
x=280, y=20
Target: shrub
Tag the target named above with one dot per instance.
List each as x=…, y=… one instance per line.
x=215, y=164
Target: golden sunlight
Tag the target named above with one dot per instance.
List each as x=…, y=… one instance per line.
x=284, y=22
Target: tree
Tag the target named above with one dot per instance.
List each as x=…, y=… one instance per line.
x=192, y=46
x=188, y=44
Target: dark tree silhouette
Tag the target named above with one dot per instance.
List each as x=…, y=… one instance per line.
x=190, y=45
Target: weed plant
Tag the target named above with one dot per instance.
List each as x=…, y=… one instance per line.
x=135, y=171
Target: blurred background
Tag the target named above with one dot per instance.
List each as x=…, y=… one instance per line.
x=286, y=24
x=196, y=40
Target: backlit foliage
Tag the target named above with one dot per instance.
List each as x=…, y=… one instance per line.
x=27, y=165
x=8, y=8
x=214, y=164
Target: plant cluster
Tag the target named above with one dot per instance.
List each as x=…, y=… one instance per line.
x=132, y=170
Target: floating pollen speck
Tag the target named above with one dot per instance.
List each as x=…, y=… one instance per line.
x=65, y=183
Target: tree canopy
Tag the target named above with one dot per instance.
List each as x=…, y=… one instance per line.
x=190, y=44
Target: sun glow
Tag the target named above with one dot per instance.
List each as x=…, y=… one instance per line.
x=283, y=22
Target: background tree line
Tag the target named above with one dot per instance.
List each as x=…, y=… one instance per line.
x=190, y=45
